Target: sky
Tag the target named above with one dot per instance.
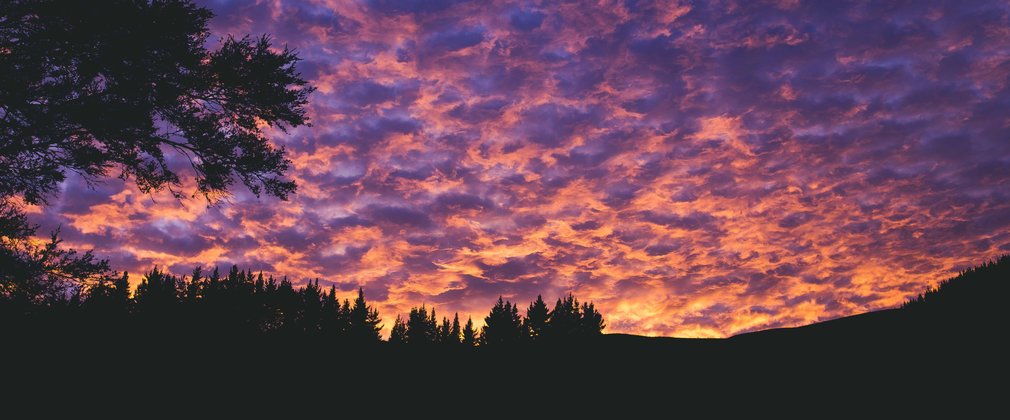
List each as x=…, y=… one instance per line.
x=696, y=169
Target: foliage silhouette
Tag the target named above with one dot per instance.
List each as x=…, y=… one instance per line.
x=455, y=335
x=398, y=333
x=470, y=336
x=537, y=316
x=421, y=326
x=68, y=65
x=246, y=306
x=503, y=326
x=365, y=324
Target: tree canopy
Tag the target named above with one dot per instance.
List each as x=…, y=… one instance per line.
x=91, y=89
x=130, y=90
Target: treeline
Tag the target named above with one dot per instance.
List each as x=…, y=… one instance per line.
x=567, y=322
x=244, y=304
x=976, y=289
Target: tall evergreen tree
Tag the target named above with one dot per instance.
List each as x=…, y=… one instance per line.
x=591, y=322
x=398, y=334
x=109, y=299
x=156, y=300
x=455, y=335
x=470, y=338
x=288, y=304
x=312, y=308
x=445, y=333
x=421, y=326
x=365, y=324
x=564, y=320
x=194, y=285
x=332, y=322
x=502, y=326
x=536, y=320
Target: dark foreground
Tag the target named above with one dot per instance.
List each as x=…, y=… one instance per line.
x=889, y=359
x=946, y=350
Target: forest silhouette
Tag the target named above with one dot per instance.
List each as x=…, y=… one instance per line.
x=66, y=66
x=241, y=304
x=245, y=305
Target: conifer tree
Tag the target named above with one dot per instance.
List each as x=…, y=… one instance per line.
x=591, y=322
x=108, y=298
x=502, y=326
x=454, y=331
x=194, y=285
x=365, y=324
x=536, y=320
x=331, y=322
x=470, y=338
x=421, y=326
x=564, y=320
x=398, y=335
x=312, y=308
x=444, y=332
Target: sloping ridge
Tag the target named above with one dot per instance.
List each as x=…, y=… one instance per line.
x=963, y=311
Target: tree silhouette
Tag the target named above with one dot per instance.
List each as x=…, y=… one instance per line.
x=455, y=336
x=365, y=324
x=592, y=321
x=470, y=338
x=109, y=299
x=421, y=326
x=194, y=287
x=35, y=274
x=287, y=303
x=68, y=66
x=502, y=326
x=569, y=321
x=398, y=334
x=565, y=319
x=535, y=324
x=444, y=335
x=156, y=300
x=334, y=322
x=244, y=305
x=312, y=309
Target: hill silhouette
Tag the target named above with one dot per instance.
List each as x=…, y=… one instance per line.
x=939, y=341
x=239, y=307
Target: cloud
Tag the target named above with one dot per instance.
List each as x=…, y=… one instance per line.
x=526, y=20
x=695, y=169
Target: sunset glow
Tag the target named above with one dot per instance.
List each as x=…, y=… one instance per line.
x=696, y=169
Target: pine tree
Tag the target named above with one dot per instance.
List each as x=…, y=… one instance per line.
x=109, y=299
x=331, y=323
x=398, y=335
x=421, y=326
x=536, y=320
x=591, y=321
x=454, y=332
x=564, y=320
x=156, y=300
x=312, y=308
x=194, y=285
x=502, y=326
x=287, y=303
x=121, y=292
x=470, y=338
x=259, y=284
x=365, y=322
x=445, y=332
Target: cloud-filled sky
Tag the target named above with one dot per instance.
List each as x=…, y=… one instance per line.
x=694, y=168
